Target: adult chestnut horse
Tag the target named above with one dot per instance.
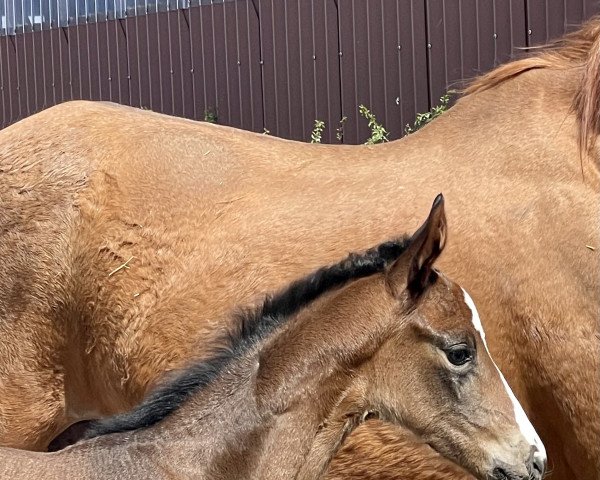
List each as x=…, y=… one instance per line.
x=279, y=399
x=127, y=235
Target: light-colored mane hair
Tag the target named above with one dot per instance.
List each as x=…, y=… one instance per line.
x=579, y=49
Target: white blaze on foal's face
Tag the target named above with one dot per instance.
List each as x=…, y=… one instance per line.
x=525, y=425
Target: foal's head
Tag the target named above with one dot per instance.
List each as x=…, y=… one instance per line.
x=432, y=372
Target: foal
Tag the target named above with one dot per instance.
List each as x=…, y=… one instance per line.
x=378, y=335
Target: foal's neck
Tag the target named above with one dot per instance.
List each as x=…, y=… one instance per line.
x=283, y=409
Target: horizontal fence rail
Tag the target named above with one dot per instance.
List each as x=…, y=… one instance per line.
x=265, y=65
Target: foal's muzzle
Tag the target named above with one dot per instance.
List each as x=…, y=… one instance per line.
x=536, y=467
x=538, y=464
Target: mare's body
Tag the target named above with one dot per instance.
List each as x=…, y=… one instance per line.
x=214, y=216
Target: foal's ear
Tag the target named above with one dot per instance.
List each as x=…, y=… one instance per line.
x=414, y=268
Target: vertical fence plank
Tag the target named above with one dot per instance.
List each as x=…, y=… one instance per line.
x=21, y=72
x=374, y=66
x=574, y=13
x=519, y=34
x=510, y=29
x=165, y=71
x=268, y=72
x=291, y=59
x=228, y=46
x=176, y=37
x=203, y=59
x=194, y=25
x=30, y=72
x=76, y=74
x=590, y=7
x=118, y=85
x=4, y=82
x=141, y=79
x=46, y=52
x=63, y=73
x=354, y=74
x=306, y=111
x=79, y=53
x=154, y=38
x=536, y=22
x=486, y=30
x=220, y=56
x=101, y=60
x=37, y=71
x=248, y=55
x=467, y=33
x=185, y=57
x=579, y=11
x=555, y=19
x=414, y=95
x=436, y=58
x=272, y=16
x=136, y=77
x=92, y=55
x=327, y=67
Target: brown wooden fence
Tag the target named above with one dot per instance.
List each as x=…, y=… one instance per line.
x=278, y=64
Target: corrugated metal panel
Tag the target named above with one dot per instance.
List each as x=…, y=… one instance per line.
x=275, y=64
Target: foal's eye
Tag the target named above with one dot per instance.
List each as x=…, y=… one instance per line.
x=459, y=355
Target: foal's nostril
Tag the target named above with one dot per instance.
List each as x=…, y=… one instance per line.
x=499, y=474
x=538, y=462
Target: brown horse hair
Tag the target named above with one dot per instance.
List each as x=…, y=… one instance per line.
x=252, y=326
x=578, y=49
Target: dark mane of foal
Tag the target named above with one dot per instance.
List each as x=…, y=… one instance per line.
x=252, y=327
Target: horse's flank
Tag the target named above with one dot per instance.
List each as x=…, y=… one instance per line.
x=213, y=216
